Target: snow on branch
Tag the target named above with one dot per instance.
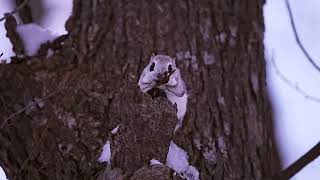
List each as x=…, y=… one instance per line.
x=33, y=36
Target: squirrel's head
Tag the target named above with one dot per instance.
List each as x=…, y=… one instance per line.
x=162, y=66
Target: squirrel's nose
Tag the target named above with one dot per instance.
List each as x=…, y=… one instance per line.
x=159, y=76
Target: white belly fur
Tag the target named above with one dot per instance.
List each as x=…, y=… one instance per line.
x=181, y=106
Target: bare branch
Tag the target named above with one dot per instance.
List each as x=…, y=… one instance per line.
x=17, y=9
x=291, y=84
x=303, y=161
x=298, y=39
x=28, y=106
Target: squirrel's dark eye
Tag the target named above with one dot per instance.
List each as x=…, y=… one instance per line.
x=152, y=66
x=169, y=68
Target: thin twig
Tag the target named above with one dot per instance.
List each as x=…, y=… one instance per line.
x=166, y=78
x=17, y=9
x=303, y=161
x=291, y=84
x=298, y=39
x=26, y=107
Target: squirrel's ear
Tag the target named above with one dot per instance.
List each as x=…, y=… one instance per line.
x=174, y=60
x=152, y=56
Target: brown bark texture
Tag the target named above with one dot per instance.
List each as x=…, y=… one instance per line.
x=57, y=112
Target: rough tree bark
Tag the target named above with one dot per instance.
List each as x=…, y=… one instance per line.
x=89, y=86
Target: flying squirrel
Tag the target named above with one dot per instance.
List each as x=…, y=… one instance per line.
x=161, y=75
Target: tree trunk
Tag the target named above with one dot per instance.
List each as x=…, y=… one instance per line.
x=89, y=86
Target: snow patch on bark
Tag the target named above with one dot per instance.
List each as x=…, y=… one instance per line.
x=2, y=174
x=177, y=159
x=115, y=130
x=33, y=36
x=154, y=162
x=106, y=153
